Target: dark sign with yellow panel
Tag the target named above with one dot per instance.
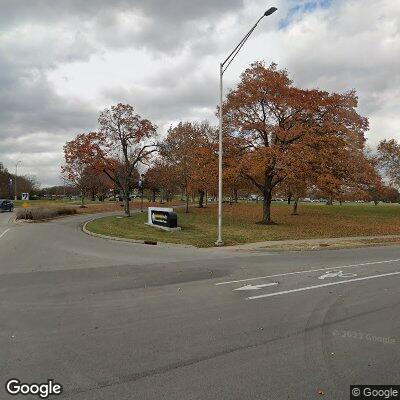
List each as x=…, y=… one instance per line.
x=167, y=219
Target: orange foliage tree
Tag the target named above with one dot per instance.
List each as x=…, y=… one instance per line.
x=79, y=155
x=161, y=179
x=127, y=141
x=389, y=160
x=204, y=168
x=278, y=123
x=189, y=149
x=123, y=142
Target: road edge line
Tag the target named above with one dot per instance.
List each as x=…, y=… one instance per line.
x=7, y=230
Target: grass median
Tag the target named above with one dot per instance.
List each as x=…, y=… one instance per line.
x=50, y=207
x=240, y=224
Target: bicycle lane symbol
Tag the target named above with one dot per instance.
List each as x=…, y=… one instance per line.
x=337, y=274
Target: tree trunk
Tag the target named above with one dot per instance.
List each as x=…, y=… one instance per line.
x=93, y=195
x=235, y=195
x=126, y=204
x=206, y=197
x=82, y=199
x=187, y=202
x=289, y=199
x=201, y=198
x=295, y=206
x=267, y=200
x=154, y=196
x=329, y=202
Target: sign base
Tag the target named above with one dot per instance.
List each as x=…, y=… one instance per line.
x=165, y=228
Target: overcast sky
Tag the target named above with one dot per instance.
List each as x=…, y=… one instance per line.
x=62, y=62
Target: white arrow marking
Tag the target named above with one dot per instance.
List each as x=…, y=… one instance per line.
x=256, y=287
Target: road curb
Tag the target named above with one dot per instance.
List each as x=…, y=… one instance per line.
x=135, y=241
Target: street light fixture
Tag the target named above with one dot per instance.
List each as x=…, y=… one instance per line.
x=270, y=11
x=223, y=67
x=15, y=179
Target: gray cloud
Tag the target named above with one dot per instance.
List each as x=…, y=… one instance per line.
x=48, y=11
x=161, y=25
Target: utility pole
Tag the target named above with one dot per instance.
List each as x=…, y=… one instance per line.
x=15, y=180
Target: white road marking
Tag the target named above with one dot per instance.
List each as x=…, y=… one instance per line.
x=337, y=274
x=320, y=286
x=256, y=287
x=4, y=233
x=304, y=272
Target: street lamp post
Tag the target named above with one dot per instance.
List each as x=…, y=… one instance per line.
x=15, y=180
x=223, y=67
x=142, y=187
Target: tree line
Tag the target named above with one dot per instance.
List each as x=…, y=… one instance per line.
x=279, y=140
x=25, y=184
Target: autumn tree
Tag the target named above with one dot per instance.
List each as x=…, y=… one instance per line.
x=160, y=179
x=350, y=175
x=123, y=142
x=204, y=166
x=26, y=183
x=126, y=140
x=389, y=194
x=80, y=157
x=5, y=182
x=153, y=182
x=178, y=150
x=389, y=160
x=276, y=122
x=293, y=188
x=96, y=183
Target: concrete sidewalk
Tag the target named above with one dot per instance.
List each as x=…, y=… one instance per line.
x=319, y=243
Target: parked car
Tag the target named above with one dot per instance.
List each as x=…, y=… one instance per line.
x=6, y=205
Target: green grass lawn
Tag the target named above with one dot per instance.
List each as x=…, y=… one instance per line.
x=240, y=223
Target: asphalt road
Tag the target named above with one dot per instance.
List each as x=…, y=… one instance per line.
x=114, y=320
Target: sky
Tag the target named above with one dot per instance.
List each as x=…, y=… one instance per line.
x=62, y=62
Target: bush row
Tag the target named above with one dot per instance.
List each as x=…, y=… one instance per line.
x=44, y=213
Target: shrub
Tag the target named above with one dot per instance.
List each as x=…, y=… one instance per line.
x=66, y=211
x=36, y=214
